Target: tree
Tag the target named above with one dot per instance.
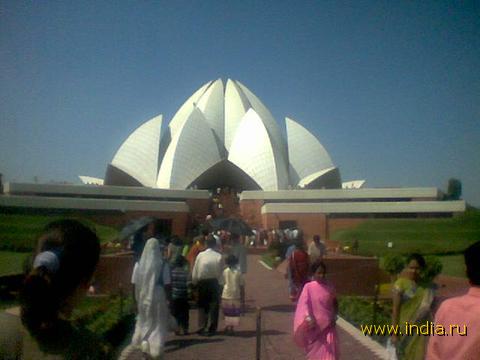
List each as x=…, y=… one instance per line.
x=454, y=191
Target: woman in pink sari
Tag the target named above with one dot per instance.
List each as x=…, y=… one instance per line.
x=315, y=316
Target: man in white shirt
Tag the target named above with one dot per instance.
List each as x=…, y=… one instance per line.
x=207, y=275
x=316, y=249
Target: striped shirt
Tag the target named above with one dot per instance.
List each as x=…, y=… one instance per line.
x=180, y=282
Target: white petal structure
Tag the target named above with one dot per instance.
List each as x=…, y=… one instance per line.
x=184, y=112
x=253, y=152
x=191, y=152
x=211, y=104
x=222, y=132
x=236, y=105
x=308, y=158
x=268, y=120
x=138, y=155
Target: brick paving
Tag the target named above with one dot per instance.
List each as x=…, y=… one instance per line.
x=268, y=290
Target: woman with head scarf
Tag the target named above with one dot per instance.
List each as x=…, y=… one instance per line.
x=152, y=323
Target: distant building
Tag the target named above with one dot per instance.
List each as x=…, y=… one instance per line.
x=89, y=180
x=223, y=154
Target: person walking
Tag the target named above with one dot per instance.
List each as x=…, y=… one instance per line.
x=316, y=249
x=174, y=249
x=298, y=264
x=154, y=229
x=207, y=275
x=240, y=252
x=231, y=295
x=315, y=317
x=197, y=247
x=153, y=316
x=180, y=284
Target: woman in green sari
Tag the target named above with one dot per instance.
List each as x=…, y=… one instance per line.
x=412, y=305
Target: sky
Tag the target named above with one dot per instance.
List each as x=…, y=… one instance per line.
x=391, y=89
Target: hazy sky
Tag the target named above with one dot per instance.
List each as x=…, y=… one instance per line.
x=391, y=89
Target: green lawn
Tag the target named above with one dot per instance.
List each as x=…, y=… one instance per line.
x=19, y=232
x=426, y=236
x=11, y=262
x=453, y=265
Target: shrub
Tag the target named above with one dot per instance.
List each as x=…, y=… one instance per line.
x=360, y=311
x=277, y=248
x=433, y=267
x=108, y=317
x=393, y=263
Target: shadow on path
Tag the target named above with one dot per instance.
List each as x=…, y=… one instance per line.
x=253, y=333
x=284, y=308
x=176, y=344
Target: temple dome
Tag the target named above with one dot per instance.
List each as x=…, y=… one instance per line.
x=222, y=135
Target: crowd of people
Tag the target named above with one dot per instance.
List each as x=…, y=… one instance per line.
x=168, y=274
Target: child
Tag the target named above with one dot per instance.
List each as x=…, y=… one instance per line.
x=180, y=284
x=231, y=295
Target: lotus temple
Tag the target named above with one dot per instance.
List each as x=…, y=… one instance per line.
x=224, y=154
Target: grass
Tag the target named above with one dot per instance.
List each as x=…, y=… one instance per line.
x=445, y=238
x=453, y=265
x=426, y=236
x=12, y=262
x=271, y=260
x=102, y=315
x=19, y=232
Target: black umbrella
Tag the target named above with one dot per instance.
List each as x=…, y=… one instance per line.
x=133, y=226
x=232, y=225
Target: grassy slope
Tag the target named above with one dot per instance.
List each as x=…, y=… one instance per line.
x=22, y=230
x=427, y=236
x=453, y=265
x=446, y=238
x=11, y=262
x=19, y=232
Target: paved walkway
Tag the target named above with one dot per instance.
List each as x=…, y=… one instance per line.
x=268, y=290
